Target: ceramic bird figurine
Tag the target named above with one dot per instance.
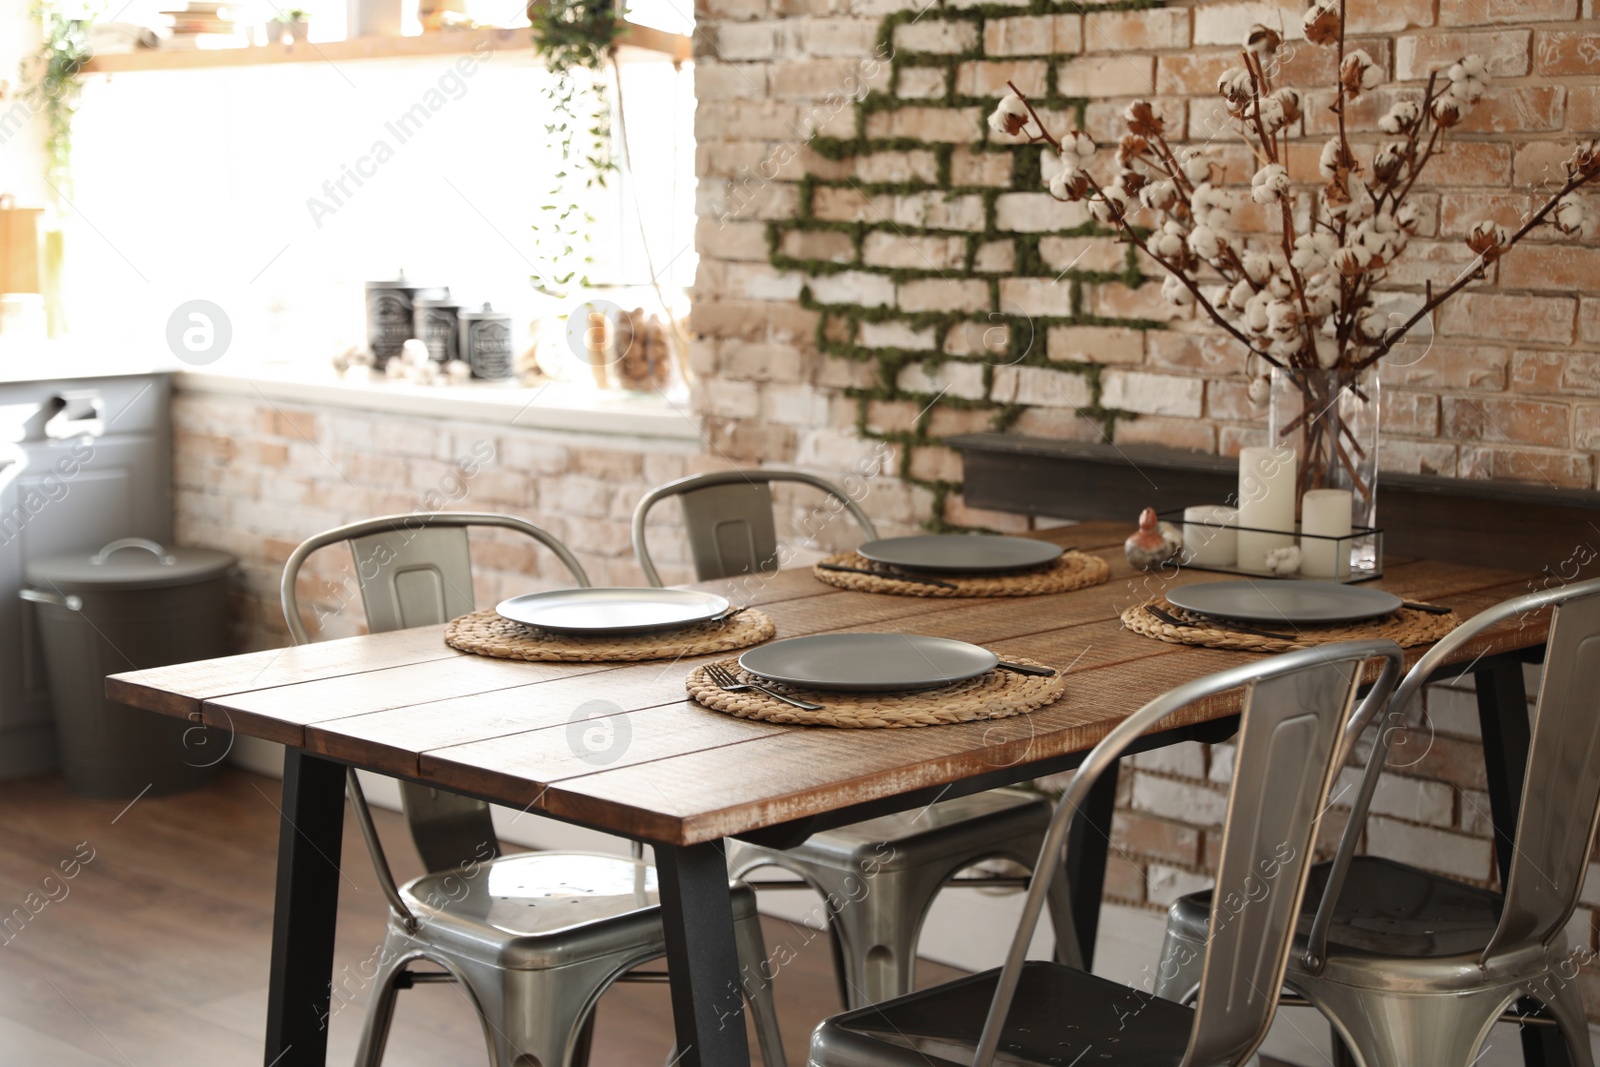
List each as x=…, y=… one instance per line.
x=1154, y=544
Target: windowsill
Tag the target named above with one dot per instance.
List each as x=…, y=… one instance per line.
x=560, y=406
x=644, y=38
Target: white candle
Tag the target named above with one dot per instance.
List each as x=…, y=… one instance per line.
x=1266, y=502
x=1209, y=537
x=1325, y=513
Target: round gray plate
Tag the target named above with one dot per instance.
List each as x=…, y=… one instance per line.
x=1285, y=601
x=868, y=663
x=960, y=552
x=612, y=611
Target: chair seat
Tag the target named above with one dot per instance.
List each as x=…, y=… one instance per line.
x=538, y=910
x=964, y=825
x=1393, y=910
x=1060, y=1016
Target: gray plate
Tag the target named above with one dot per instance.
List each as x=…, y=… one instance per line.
x=612, y=611
x=868, y=663
x=1270, y=601
x=974, y=553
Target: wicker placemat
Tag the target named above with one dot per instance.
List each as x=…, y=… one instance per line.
x=488, y=634
x=1071, y=570
x=998, y=694
x=1406, y=628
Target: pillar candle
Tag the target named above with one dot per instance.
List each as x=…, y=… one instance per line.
x=1266, y=502
x=1326, y=514
x=1209, y=537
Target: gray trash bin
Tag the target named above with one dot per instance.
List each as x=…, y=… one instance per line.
x=132, y=605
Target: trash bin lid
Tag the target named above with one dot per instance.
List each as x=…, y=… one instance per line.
x=131, y=563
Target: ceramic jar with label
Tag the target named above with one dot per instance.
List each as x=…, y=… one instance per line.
x=390, y=306
x=485, y=343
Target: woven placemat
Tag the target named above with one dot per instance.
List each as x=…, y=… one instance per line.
x=486, y=633
x=1071, y=570
x=998, y=694
x=1406, y=628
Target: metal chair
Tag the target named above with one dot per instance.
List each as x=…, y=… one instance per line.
x=1412, y=968
x=903, y=860
x=1295, y=729
x=533, y=939
x=729, y=518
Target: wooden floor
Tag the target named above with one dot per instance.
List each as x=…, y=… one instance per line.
x=155, y=953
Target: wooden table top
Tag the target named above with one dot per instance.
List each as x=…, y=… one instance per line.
x=407, y=704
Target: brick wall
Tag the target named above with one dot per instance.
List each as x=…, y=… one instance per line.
x=874, y=268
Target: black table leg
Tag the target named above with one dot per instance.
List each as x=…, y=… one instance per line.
x=310, y=831
x=702, y=962
x=1503, y=718
x=1087, y=846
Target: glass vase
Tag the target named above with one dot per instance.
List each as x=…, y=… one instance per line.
x=1330, y=418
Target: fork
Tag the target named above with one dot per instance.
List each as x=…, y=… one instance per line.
x=724, y=680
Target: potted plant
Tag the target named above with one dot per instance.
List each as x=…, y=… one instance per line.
x=1303, y=288
x=288, y=25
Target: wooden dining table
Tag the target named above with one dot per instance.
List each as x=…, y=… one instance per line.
x=682, y=778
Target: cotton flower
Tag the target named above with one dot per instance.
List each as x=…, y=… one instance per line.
x=1262, y=40
x=1358, y=74
x=1258, y=267
x=1401, y=117
x=1071, y=182
x=1143, y=119
x=1255, y=313
x=1570, y=217
x=1332, y=156
x=1313, y=251
x=1389, y=162
x=1010, y=116
x=1168, y=243
x=1322, y=294
x=1449, y=109
x=1159, y=195
x=1408, y=218
x=1237, y=87
x=1206, y=242
x=1270, y=184
x=1111, y=206
x=1488, y=240
x=1283, y=317
x=1280, y=108
x=1322, y=22
x=1175, y=292
x=1079, y=144
x=1468, y=79
x=1241, y=294
x=1196, y=167
x=1211, y=206
x=1371, y=325
x=1327, y=351
x=1586, y=160
x=1351, y=260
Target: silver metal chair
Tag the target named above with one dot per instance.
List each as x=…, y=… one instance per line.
x=729, y=518
x=1295, y=729
x=533, y=939
x=1412, y=968
x=903, y=860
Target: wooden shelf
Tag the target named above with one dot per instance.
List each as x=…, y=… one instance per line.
x=674, y=45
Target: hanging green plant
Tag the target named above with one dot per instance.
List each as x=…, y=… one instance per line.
x=52, y=82
x=573, y=38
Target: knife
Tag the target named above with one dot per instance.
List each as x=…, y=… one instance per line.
x=1172, y=620
x=1027, y=668
x=882, y=574
x=1431, y=609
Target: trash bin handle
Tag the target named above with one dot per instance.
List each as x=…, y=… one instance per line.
x=167, y=558
x=39, y=596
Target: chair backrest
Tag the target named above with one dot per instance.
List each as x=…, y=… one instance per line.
x=728, y=516
x=1561, y=795
x=416, y=570
x=1295, y=728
